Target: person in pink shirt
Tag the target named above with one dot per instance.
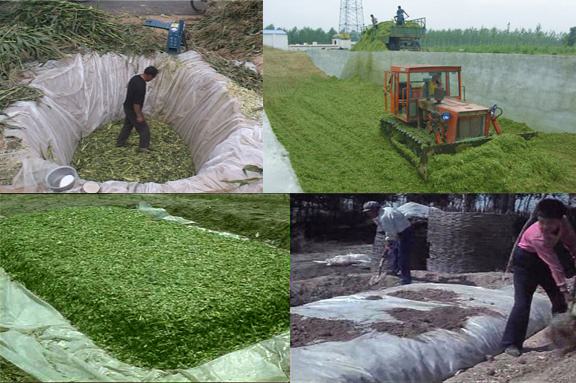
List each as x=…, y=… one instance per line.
x=535, y=263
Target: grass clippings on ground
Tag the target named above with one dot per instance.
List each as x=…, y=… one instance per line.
x=37, y=30
x=230, y=28
x=98, y=159
x=12, y=374
x=154, y=294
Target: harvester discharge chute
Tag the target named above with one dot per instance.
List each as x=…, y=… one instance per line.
x=428, y=115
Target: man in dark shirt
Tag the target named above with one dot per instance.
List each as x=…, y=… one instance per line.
x=400, y=16
x=133, y=108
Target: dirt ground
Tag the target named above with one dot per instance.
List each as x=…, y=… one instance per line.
x=305, y=331
x=169, y=7
x=312, y=281
x=426, y=295
x=540, y=363
x=416, y=322
x=304, y=267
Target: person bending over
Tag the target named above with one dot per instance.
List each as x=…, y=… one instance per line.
x=535, y=263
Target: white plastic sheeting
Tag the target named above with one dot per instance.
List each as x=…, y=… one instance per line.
x=348, y=259
x=279, y=177
x=85, y=92
x=415, y=210
x=382, y=357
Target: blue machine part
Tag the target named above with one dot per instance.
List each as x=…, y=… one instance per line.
x=445, y=116
x=176, y=37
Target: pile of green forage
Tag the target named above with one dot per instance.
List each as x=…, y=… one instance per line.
x=372, y=39
x=331, y=129
x=97, y=158
x=39, y=30
x=154, y=294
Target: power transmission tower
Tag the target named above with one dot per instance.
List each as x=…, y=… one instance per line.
x=351, y=16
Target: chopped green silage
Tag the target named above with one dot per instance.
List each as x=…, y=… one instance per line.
x=331, y=128
x=263, y=217
x=372, y=39
x=98, y=159
x=155, y=294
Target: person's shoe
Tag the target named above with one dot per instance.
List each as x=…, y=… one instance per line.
x=513, y=351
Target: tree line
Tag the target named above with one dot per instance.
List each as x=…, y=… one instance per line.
x=449, y=39
x=307, y=35
x=494, y=36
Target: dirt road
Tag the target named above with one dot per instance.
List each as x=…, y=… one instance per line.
x=138, y=8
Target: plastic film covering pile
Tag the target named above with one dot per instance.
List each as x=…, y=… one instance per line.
x=430, y=357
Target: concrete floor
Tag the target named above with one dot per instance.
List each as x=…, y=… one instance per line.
x=145, y=7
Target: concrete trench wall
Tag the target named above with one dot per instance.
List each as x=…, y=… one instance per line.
x=539, y=90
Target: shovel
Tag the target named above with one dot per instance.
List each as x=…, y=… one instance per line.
x=375, y=279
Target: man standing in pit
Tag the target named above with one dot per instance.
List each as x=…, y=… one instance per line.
x=400, y=16
x=133, y=108
x=394, y=233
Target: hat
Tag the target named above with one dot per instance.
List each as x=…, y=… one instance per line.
x=369, y=206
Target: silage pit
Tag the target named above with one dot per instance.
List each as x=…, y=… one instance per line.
x=98, y=158
x=84, y=94
x=156, y=294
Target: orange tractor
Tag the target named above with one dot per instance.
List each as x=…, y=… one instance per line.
x=429, y=114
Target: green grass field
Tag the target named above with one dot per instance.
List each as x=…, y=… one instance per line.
x=330, y=127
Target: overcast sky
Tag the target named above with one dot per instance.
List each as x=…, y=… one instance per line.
x=556, y=15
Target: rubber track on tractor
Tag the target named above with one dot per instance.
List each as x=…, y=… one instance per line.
x=417, y=145
x=412, y=146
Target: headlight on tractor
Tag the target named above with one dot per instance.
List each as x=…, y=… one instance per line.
x=445, y=116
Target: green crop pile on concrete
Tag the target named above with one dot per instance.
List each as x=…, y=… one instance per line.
x=330, y=127
x=372, y=39
x=97, y=158
x=155, y=294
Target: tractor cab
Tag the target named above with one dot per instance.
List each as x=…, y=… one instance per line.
x=430, y=97
x=408, y=85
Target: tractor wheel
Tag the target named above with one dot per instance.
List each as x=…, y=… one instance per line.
x=199, y=6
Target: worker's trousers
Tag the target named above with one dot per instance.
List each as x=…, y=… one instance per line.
x=404, y=248
x=129, y=123
x=398, y=257
x=529, y=272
